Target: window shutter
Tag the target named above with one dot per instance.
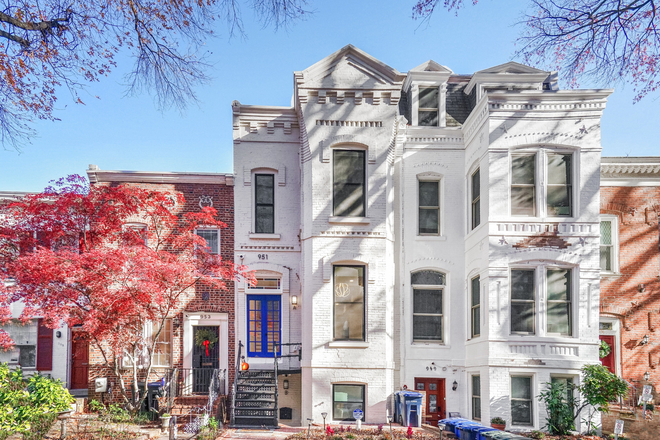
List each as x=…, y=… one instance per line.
x=44, y=348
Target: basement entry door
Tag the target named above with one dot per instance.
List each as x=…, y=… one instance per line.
x=435, y=398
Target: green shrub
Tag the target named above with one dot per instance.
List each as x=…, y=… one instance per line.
x=29, y=406
x=117, y=414
x=538, y=435
x=95, y=406
x=560, y=405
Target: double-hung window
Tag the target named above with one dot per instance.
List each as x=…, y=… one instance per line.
x=475, y=308
x=212, y=237
x=429, y=207
x=349, y=303
x=527, y=184
x=163, y=349
x=523, y=185
x=429, y=103
x=349, y=183
x=428, y=286
x=476, y=397
x=264, y=210
x=523, y=301
x=527, y=285
x=476, y=199
x=521, y=401
x=559, y=301
x=609, y=244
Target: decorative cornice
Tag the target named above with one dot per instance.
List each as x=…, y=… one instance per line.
x=630, y=171
x=14, y=195
x=305, y=152
x=96, y=175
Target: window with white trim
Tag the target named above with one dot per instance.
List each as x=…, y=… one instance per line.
x=212, y=238
x=163, y=349
x=139, y=231
x=429, y=104
x=428, y=286
x=429, y=207
x=476, y=198
x=24, y=352
x=522, y=410
x=542, y=184
x=475, y=308
x=609, y=244
x=349, y=303
x=476, y=397
x=346, y=399
x=530, y=284
x=264, y=210
x=348, y=176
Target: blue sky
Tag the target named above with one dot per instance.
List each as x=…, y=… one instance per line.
x=129, y=133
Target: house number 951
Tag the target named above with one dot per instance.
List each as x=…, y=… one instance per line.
x=263, y=256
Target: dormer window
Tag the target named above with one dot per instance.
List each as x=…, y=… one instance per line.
x=429, y=105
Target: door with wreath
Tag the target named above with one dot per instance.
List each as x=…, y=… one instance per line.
x=206, y=356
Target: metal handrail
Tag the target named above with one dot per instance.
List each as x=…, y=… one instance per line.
x=275, y=357
x=233, y=386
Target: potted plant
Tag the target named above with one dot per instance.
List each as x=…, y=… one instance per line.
x=498, y=423
x=165, y=421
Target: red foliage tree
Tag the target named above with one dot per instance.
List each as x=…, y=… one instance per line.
x=72, y=259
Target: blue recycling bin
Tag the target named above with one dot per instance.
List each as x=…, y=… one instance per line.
x=462, y=429
x=477, y=432
x=450, y=423
x=408, y=408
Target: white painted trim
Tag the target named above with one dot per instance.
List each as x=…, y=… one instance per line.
x=191, y=319
x=98, y=176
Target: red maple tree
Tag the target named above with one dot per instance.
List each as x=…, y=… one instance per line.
x=73, y=255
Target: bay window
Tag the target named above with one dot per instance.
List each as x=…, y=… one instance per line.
x=530, y=196
x=527, y=286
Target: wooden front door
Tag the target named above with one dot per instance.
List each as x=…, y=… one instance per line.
x=79, y=362
x=205, y=358
x=609, y=361
x=435, y=398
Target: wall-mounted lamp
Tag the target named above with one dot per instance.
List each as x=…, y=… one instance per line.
x=58, y=334
x=294, y=301
x=285, y=384
x=645, y=340
x=647, y=376
x=454, y=386
x=641, y=288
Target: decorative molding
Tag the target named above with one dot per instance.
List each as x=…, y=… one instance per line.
x=527, y=228
x=392, y=152
x=327, y=263
x=325, y=146
x=305, y=152
x=351, y=233
x=356, y=124
x=279, y=167
x=563, y=350
x=522, y=349
x=99, y=176
x=431, y=165
x=205, y=201
x=272, y=248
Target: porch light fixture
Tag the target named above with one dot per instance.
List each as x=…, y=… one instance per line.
x=645, y=340
x=294, y=301
x=647, y=376
x=641, y=288
x=285, y=384
x=454, y=386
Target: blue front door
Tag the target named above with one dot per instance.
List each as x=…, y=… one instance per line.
x=264, y=317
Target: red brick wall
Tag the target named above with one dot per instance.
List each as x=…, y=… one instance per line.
x=219, y=300
x=639, y=263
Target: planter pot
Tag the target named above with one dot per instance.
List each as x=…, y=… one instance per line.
x=165, y=422
x=498, y=426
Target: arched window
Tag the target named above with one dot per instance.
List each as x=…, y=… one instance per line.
x=428, y=286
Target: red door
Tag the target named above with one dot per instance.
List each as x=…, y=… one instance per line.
x=79, y=362
x=435, y=398
x=609, y=361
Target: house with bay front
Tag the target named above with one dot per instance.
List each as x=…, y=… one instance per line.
x=427, y=230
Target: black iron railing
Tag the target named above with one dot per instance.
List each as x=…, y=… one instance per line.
x=194, y=381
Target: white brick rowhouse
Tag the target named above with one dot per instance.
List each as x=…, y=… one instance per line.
x=424, y=229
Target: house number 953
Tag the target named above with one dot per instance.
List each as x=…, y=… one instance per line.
x=263, y=256
x=204, y=316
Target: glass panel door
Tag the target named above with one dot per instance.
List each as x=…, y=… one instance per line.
x=264, y=324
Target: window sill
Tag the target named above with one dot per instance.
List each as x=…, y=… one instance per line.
x=254, y=236
x=348, y=344
x=430, y=238
x=610, y=274
x=430, y=344
x=349, y=220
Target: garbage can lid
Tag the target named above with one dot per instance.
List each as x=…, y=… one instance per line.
x=409, y=394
